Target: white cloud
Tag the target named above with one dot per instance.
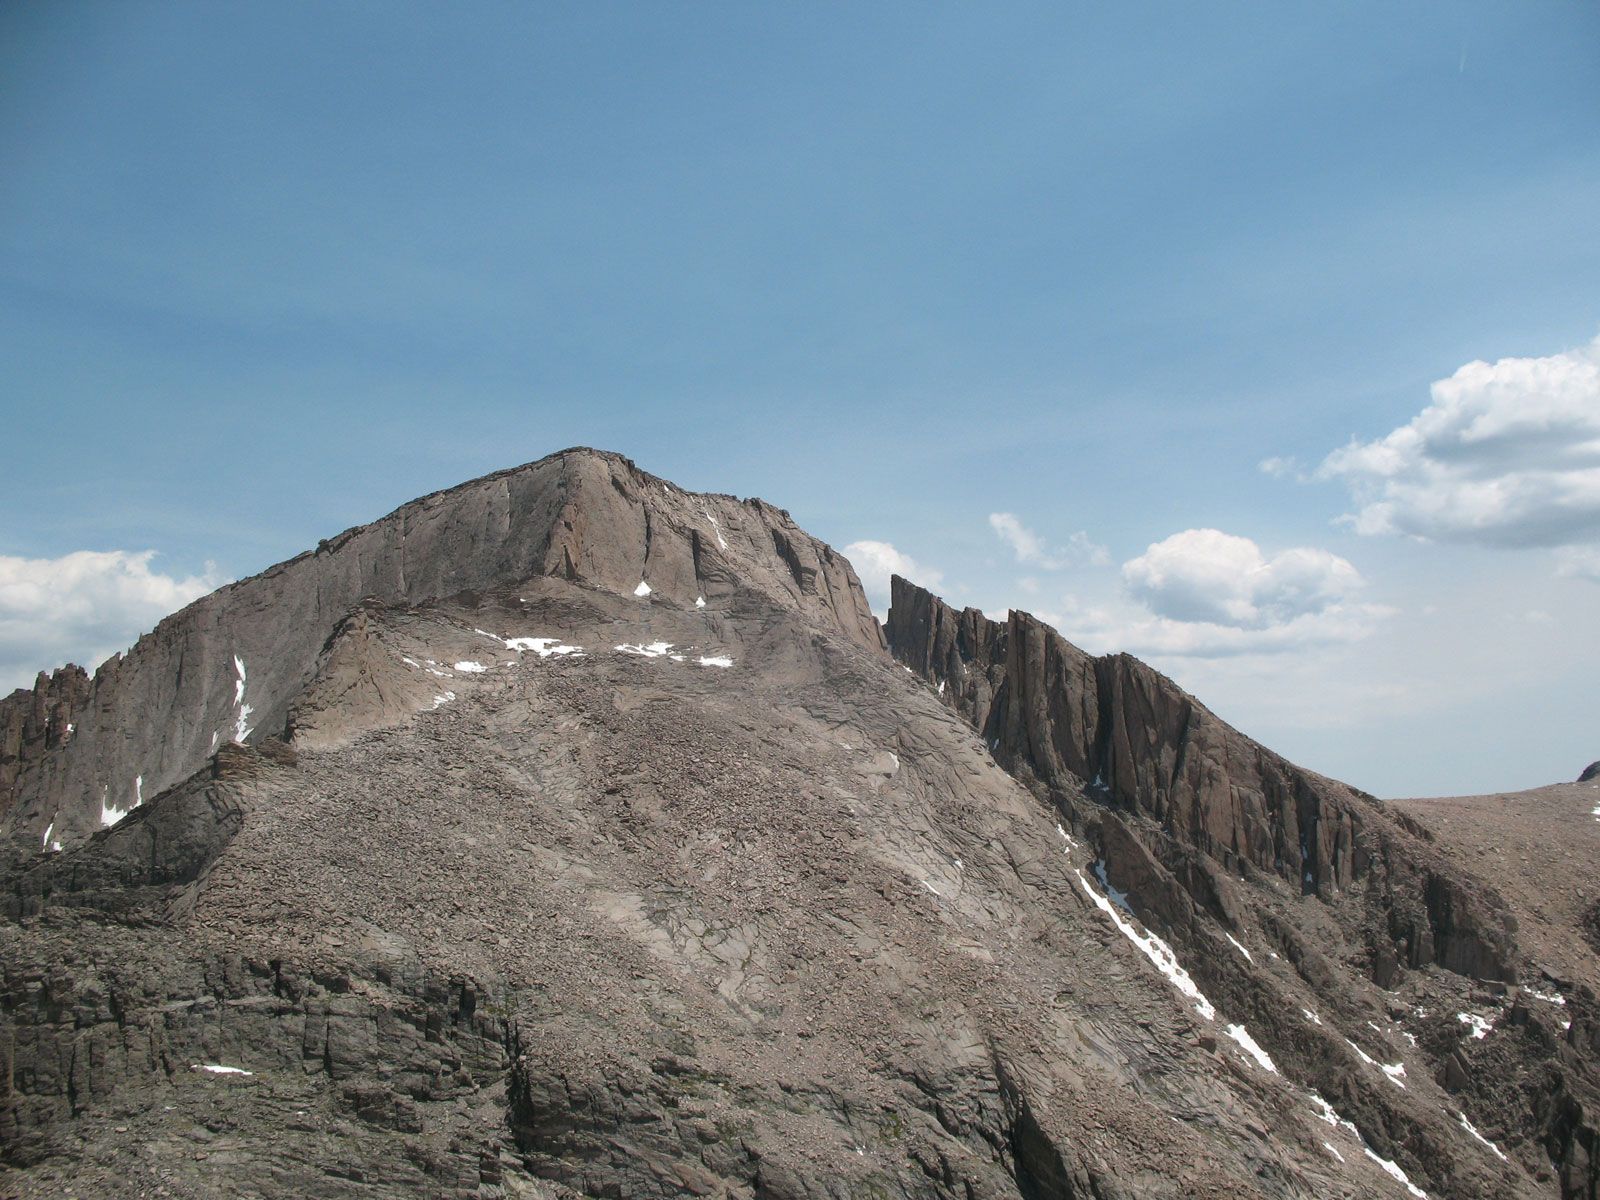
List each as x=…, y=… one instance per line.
x=1203, y=593
x=1113, y=628
x=1507, y=454
x=1280, y=467
x=1032, y=551
x=1207, y=576
x=82, y=607
x=1578, y=562
x=875, y=562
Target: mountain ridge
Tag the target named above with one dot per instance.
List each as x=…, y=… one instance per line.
x=529, y=881
x=583, y=513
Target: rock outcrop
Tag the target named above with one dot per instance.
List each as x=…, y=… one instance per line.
x=34, y=723
x=1186, y=813
x=228, y=666
x=569, y=835
x=1592, y=771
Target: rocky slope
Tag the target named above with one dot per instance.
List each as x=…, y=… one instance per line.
x=505, y=875
x=228, y=666
x=1183, y=810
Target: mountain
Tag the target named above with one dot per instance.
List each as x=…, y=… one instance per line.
x=569, y=834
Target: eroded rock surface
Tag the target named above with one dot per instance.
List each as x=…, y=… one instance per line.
x=1207, y=832
x=566, y=834
x=228, y=666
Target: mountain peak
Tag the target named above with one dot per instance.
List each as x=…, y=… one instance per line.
x=231, y=664
x=565, y=833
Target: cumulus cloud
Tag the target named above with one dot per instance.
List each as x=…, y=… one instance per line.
x=82, y=607
x=1206, y=593
x=1208, y=575
x=1280, y=467
x=1162, y=637
x=875, y=562
x=1031, y=550
x=1507, y=454
x=1578, y=562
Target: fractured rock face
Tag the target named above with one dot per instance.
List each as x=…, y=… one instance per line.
x=1183, y=810
x=1130, y=732
x=567, y=834
x=33, y=723
x=1142, y=745
x=228, y=666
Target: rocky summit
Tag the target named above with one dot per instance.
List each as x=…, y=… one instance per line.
x=567, y=834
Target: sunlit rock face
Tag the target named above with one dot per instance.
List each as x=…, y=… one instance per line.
x=568, y=834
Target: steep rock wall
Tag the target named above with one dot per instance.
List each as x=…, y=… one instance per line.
x=1135, y=742
x=1132, y=734
x=229, y=666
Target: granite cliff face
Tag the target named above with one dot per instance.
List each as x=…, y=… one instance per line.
x=1183, y=809
x=228, y=666
x=568, y=834
x=1145, y=747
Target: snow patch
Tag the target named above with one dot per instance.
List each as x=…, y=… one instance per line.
x=1311, y=1016
x=1480, y=1026
x=1251, y=1047
x=544, y=647
x=1547, y=997
x=110, y=814
x=1326, y=1112
x=1393, y=1171
x=642, y=590
x=471, y=668
x=1467, y=1125
x=1153, y=948
x=219, y=1069
x=664, y=650
x=653, y=650
x=715, y=528
x=1237, y=945
x=699, y=601
x=1395, y=1071
x=241, y=720
x=443, y=698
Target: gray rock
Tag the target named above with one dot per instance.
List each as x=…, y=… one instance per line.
x=718, y=900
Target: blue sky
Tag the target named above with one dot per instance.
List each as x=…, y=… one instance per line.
x=270, y=270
